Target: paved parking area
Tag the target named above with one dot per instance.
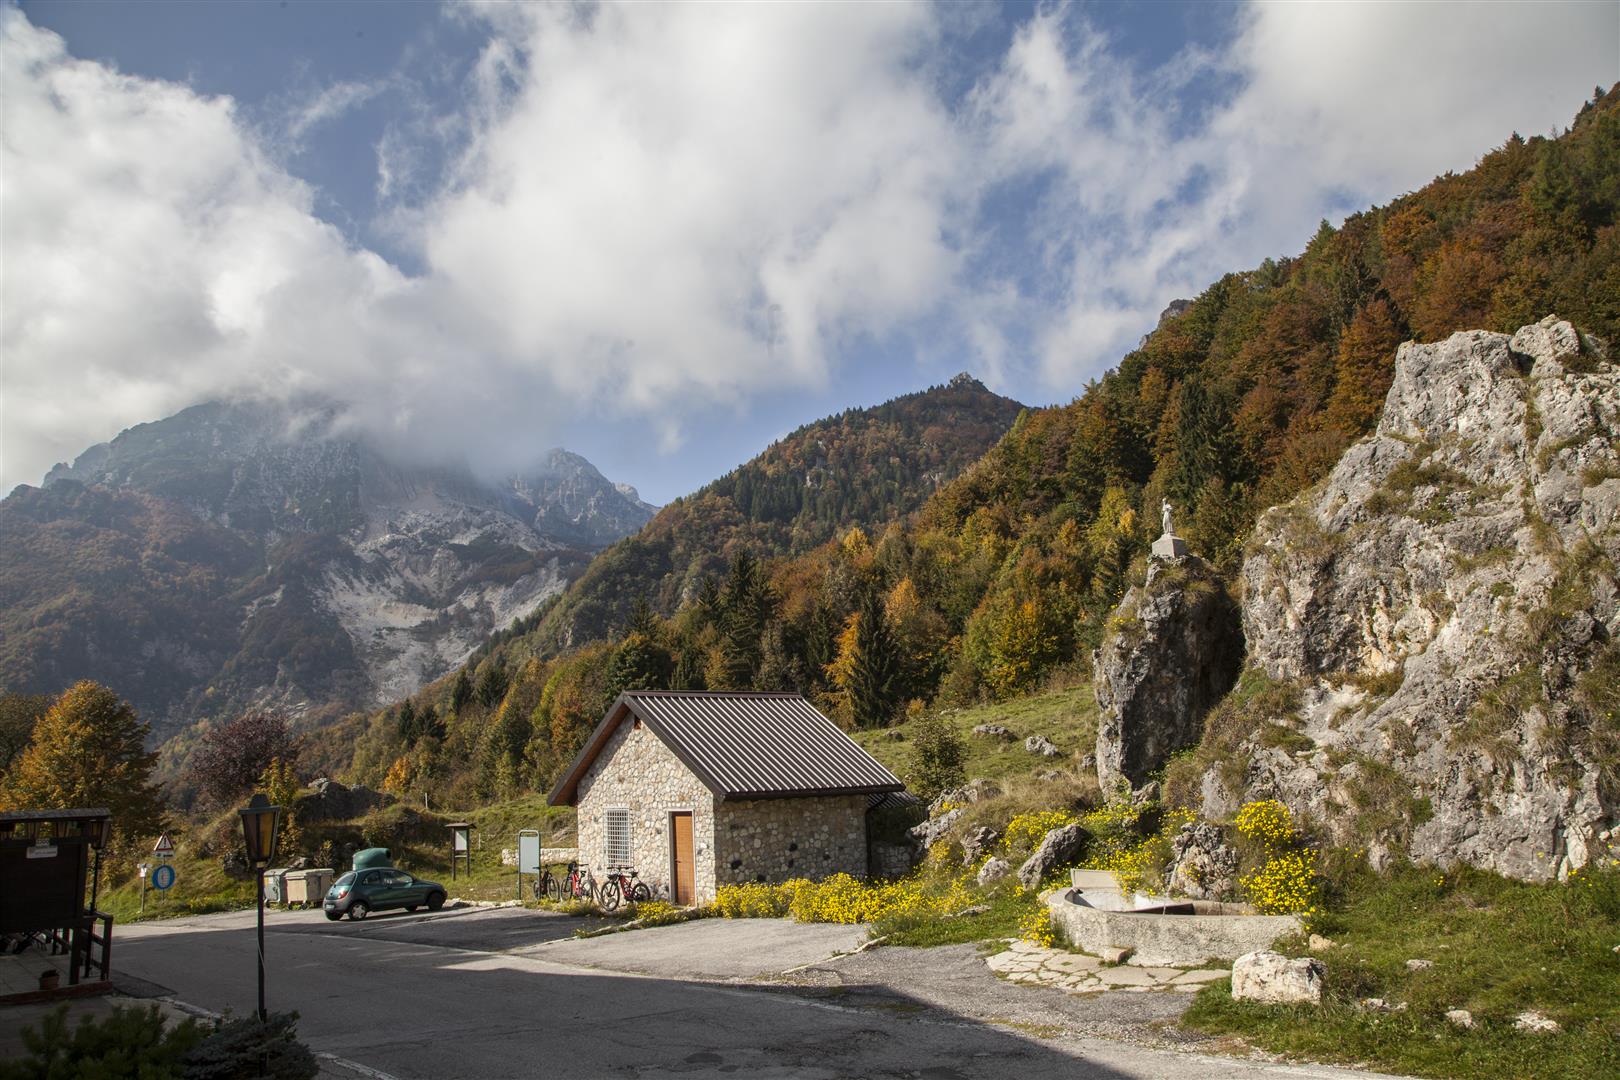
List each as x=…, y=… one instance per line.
x=710, y=949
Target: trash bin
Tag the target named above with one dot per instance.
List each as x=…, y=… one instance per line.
x=275, y=886
x=308, y=887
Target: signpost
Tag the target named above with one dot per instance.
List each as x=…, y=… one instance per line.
x=528, y=859
x=163, y=877
x=460, y=846
x=164, y=848
x=143, y=868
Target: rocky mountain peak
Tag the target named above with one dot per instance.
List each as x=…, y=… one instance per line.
x=318, y=569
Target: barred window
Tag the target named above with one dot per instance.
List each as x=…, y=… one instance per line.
x=616, y=833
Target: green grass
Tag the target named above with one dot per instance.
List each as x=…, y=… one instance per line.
x=1499, y=947
x=1067, y=717
x=1007, y=909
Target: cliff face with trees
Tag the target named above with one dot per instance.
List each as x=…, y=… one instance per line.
x=1237, y=402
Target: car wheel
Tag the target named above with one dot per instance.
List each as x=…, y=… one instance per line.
x=358, y=910
x=435, y=901
x=334, y=916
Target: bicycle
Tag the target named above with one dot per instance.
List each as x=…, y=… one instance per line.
x=546, y=886
x=577, y=885
x=621, y=885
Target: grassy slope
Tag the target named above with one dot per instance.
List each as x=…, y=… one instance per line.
x=1068, y=717
x=1498, y=947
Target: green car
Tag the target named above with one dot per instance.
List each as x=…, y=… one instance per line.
x=360, y=892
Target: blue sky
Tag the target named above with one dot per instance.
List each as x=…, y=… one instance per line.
x=663, y=235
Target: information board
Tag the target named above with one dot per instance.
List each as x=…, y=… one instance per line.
x=528, y=852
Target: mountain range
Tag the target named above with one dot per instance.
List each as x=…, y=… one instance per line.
x=254, y=552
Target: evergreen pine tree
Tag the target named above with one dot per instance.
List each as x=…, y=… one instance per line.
x=491, y=686
x=874, y=683
x=461, y=692
x=429, y=722
x=745, y=608
x=405, y=723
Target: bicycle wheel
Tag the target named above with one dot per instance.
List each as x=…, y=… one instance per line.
x=641, y=894
x=608, y=895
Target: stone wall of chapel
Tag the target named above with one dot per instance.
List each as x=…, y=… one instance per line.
x=777, y=839
x=636, y=771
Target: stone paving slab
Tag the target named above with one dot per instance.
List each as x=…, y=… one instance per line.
x=1077, y=973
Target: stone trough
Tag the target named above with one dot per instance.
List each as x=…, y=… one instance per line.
x=1156, y=931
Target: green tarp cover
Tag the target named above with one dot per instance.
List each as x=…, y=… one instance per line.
x=370, y=857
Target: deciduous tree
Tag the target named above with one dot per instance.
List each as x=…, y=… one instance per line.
x=232, y=756
x=89, y=750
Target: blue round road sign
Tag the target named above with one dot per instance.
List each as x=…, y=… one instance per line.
x=163, y=877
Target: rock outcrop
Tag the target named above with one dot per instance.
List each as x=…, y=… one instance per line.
x=332, y=801
x=1202, y=864
x=1443, y=612
x=1058, y=848
x=1172, y=651
x=1273, y=979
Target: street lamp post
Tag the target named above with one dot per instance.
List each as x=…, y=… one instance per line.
x=260, y=823
x=101, y=838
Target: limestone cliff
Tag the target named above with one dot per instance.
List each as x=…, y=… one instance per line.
x=1172, y=651
x=1440, y=617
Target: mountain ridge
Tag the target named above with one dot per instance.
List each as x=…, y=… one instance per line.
x=355, y=577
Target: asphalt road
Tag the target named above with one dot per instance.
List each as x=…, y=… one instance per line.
x=505, y=993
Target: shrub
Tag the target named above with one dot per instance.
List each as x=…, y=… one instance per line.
x=1036, y=928
x=250, y=1049
x=937, y=757
x=1287, y=883
x=1027, y=830
x=1267, y=821
x=841, y=899
x=130, y=1042
x=1132, y=841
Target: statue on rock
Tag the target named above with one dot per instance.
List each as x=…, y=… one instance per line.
x=1168, y=546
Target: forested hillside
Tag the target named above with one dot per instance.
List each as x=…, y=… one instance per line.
x=862, y=467
x=1008, y=573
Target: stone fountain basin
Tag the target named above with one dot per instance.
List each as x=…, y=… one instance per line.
x=1160, y=931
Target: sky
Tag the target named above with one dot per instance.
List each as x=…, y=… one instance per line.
x=663, y=235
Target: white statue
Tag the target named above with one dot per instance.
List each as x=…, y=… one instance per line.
x=1164, y=512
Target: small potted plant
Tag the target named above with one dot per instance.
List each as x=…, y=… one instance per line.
x=49, y=979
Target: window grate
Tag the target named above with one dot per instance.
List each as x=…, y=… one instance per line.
x=617, y=837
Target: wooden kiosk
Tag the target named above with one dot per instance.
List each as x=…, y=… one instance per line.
x=44, y=866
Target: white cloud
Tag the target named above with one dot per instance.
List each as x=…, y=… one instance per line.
x=1340, y=105
x=656, y=209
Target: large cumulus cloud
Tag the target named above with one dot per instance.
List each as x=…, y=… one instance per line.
x=656, y=209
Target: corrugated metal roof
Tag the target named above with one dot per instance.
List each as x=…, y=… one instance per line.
x=744, y=746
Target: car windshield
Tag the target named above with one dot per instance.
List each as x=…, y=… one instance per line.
x=346, y=879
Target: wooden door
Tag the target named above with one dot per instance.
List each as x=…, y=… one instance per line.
x=681, y=872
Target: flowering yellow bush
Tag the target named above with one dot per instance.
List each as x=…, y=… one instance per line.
x=1036, y=928
x=838, y=899
x=656, y=911
x=1286, y=885
x=753, y=900
x=1131, y=865
x=1268, y=821
x=1028, y=829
